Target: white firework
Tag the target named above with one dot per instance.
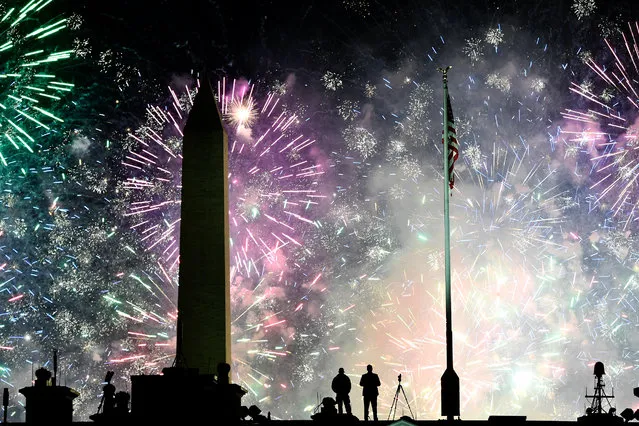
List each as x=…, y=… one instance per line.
x=279, y=87
x=377, y=254
x=474, y=156
x=396, y=148
x=420, y=99
x=332, y=81
x=499, y=82
x=538, y=85
x=361, y=140
x=360, y=7
x=473, y=49
x=410, y=169
x=585, y=56
x=369, y=90
x=348, y=110
x=607, y=94
x=397, y=192
x=583, y=8
x=572, y=151
x=587, y=86
x=494, y=36
x=609, y=27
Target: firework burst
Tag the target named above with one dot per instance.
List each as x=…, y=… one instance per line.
x=35, y=101
x=518, y=271
x=31, y=92
x=607, y=127
x=275, y=193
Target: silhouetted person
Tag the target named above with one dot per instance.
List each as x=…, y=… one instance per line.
x=342, y=386
x=228, y=396
x=42, y=377
x=254, y=413
x=223, y=371
x=122, y=403
x=370, y=382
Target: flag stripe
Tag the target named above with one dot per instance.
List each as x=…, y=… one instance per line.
x=453, y=144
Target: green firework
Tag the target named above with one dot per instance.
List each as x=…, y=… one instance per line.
x=32, y=48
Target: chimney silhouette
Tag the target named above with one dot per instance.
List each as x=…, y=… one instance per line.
x=204, y=316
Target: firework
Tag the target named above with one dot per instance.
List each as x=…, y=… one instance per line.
x=522, y=284
x=494, y=36
x=332, y=81
x=583, y=8
x=31, y=90
x=473, y=49
x=274, y=193
x=606, y=128
x=154, y=185
x=361, y=140
x=545, y=259
x=36, y=91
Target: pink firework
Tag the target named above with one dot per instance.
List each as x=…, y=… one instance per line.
x=275, y=195
x=273, y=179
x=273, y=182
x=607, y=128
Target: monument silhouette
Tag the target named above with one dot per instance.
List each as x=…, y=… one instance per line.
x=188, y=391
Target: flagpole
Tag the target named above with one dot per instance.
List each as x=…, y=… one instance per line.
x=449, y=380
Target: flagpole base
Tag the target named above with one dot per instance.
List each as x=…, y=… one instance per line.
x=450, y=394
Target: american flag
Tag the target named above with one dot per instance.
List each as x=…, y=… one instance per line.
x=453, y=145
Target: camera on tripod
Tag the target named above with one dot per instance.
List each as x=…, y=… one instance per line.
x=393, y=409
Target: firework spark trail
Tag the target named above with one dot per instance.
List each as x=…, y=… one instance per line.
x=31, y=91
x=527, y=296
x=261, y=183
x=273, y=199
x=537, y=293
x=274, y=194
x=36, y=282
x=501, y=253
x=155, y=161
x=607, y=128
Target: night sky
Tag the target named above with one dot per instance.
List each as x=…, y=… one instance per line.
x=333, y=111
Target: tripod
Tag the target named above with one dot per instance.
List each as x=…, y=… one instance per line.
x=393, y=408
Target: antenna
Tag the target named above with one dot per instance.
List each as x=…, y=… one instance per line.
x=596, y=406
x=55, y=367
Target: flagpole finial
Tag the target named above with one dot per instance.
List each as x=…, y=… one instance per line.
x=444, y=71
